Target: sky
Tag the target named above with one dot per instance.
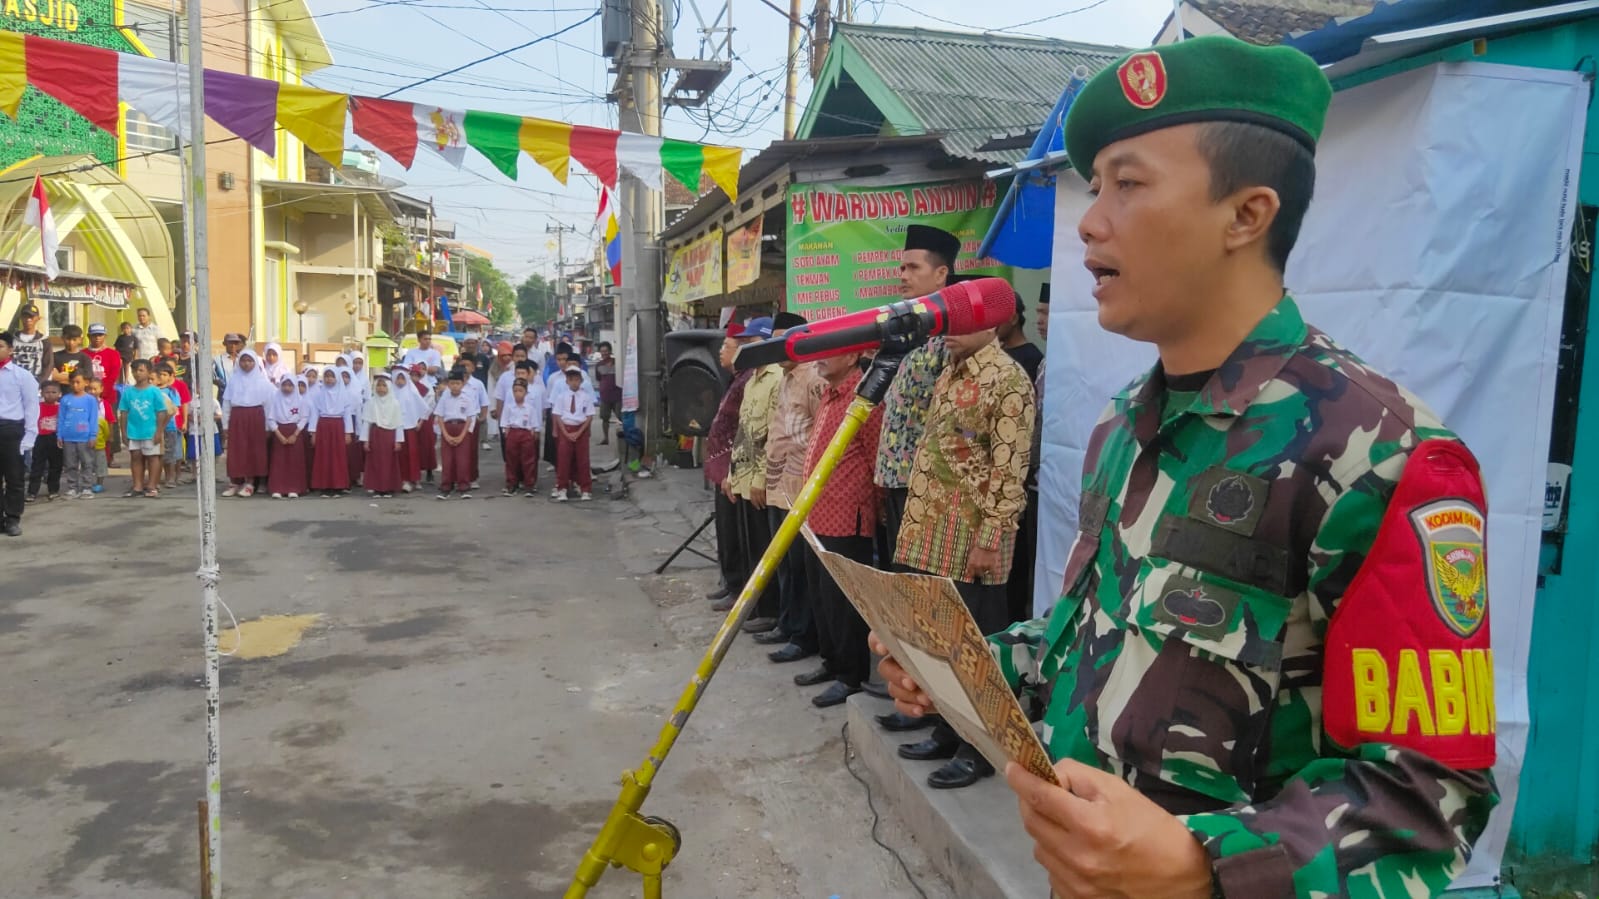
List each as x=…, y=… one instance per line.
x=383, y=45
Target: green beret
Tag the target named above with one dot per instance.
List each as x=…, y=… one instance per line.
x=1203, y=79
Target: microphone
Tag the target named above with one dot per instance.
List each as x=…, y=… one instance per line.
x=964, y=308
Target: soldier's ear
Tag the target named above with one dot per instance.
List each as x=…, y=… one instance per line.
x=1251, y=211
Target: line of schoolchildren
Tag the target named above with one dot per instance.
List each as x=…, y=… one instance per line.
x=391, y=431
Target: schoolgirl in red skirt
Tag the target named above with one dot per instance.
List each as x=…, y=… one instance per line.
x=383, y=435
x=244, y=419
x=287, y=417
x=332, y=431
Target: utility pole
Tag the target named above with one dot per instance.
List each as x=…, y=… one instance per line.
x=206, y=482
x=791, y=88
x=560, y=232
x=428, y=248
x=640, y=112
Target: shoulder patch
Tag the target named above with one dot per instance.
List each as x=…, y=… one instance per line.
x=1408, y=660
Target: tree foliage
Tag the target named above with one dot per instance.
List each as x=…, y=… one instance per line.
x=535, y=300
x=498, y=295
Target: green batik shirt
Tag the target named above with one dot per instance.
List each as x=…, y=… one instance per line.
x=1218, y=533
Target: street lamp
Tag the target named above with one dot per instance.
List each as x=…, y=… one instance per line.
x=300, y=306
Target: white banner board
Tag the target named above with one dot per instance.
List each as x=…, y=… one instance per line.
x=1435, y=249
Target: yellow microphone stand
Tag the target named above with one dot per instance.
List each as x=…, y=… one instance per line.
x=647, y=844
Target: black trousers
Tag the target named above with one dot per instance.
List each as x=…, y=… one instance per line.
x=47, y=461
x=730, y=543
x=894, y=499
x=12, y=474
x=1019, y=588
x=795, y=610
x=757, y=537
x=841, y=630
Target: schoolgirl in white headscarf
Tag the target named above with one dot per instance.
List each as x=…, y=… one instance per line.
x=276, y=368
x=244, y=420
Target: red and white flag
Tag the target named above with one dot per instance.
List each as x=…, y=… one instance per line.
x=38, y=215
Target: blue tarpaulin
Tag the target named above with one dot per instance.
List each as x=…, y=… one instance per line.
x=1023, y=232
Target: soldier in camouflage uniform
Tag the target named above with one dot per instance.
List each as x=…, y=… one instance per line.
x=1276, y=542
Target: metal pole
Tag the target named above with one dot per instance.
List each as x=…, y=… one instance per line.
x=206, y=480
x=791, y=88
x=432, y=312
x=1177, y=19
x=640, y=112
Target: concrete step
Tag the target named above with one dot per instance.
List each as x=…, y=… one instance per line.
x=973, y=836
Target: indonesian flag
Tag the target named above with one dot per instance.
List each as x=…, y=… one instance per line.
x=38, y=215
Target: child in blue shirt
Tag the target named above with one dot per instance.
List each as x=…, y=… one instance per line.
x=142, y=411
x=78, y=425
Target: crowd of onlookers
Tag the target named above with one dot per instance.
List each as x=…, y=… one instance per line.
x=941, y=479
x=68, y=409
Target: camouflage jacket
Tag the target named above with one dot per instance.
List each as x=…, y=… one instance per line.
x=1261, y=498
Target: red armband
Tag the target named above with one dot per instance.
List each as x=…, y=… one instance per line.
x=1408, y=660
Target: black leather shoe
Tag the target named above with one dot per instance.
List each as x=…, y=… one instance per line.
x=790, y=653
x=812, y=678
x=876, y=688
x=771, y=637
x=895, y=723
x=759, y=625
x=722, y=605
x=834, y=695
x=962, y=771
x=718, y=593
x=12, y=528
x=927, y=750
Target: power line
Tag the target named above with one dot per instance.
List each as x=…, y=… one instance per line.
x=523, y=46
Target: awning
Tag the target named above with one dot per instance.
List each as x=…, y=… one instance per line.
x=327, y=199
x=468, y=318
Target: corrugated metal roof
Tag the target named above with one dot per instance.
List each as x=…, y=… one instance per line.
x=970, y=87
x=1269, y=21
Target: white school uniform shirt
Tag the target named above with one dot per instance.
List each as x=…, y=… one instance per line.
x=479, y=393
x=527, y=416
x=571, y=407
x=430, y=357
x=19, y=401
x=557, y=379
x=452, y=408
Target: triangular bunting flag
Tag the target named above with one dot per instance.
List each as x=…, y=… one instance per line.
x=315, y=117
x=157, y=88
x=389, y=124
x=640, y=156
x=13, y=71
x=82, y=77
x=595, y=150
x=550, y=145
x=497, y=136
x=442, y=131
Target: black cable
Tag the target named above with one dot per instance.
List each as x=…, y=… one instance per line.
x=872, y=804
x=524, y=46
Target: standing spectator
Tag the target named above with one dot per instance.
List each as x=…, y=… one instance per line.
x=472, y=348
x=426, y=355
x=77, y=427
x=844, y=520
x=746, y=479
x=730, y=551
x=1013, y=340
x=183, y=361
x=106, y=439
x=925, y=266
x=172, y=435
x=141, y=417
x=47, y=451
x=244, y=422
x=148, y=335
x=383, y=436
x=32, y=349
x=610, y=391
x=519, y=426
x=69, y=358
x=223, y=366
x=798, y=395
x=105, y=362
x=19, y=427
x=164, y=352
x=332, y=430
x=127, y=347
x=286, y=420
x=573, y=408
x=535, y=350
x=965, y=497
x=456, y=412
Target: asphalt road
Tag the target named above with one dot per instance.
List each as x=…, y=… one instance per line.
x=453, y=725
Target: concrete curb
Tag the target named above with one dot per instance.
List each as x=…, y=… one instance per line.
x=973, y=836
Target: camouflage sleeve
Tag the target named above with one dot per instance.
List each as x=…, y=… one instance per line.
x=1016, y=650
x=1376, y=820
